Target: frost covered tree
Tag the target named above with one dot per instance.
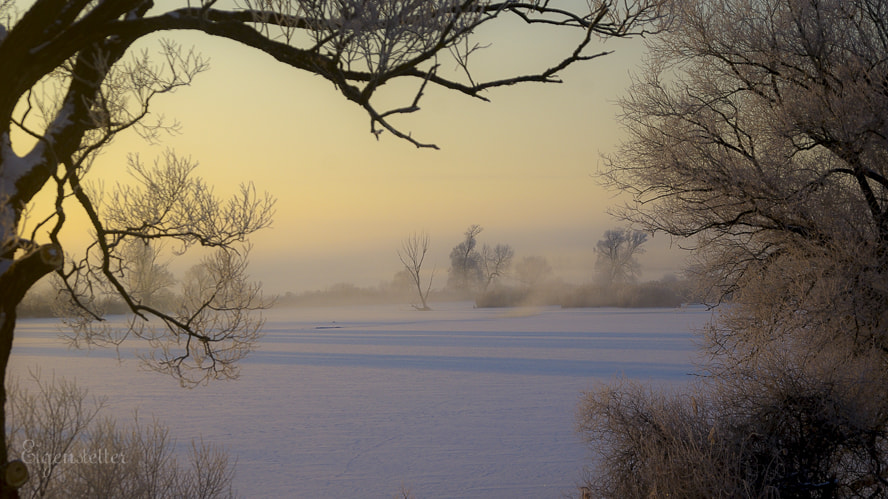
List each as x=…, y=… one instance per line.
x=72, y=81
x=412, y=254
x=495, y=262
x=147, y=278
x=616, y=255
x=758, y=131
x=473, y=270
x=465, y=261
x=761, y=129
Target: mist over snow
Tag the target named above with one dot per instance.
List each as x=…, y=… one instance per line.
x=356, y=401
x=369, y=263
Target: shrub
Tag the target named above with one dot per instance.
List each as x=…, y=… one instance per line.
x=503, y=297
x=71, y=452
x=809, y=429
x=646, y=295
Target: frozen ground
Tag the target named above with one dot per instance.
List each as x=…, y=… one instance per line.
x=354, y=402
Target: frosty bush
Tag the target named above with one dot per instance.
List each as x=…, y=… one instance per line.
x=70, y=451
x=790, y=431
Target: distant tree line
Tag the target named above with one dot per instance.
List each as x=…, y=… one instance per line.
x=492, y=276
x=489, y=276
x=149, y=282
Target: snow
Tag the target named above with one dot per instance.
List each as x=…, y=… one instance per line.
x=356, y=401
x=62, y=120
x=15, y=166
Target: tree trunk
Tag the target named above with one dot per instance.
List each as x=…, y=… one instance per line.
x=422, y=297
x=14, y=283
x=7, y=330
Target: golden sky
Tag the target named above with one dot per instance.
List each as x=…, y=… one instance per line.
x=522, y=166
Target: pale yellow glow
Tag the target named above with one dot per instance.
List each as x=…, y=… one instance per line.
x=522, y=166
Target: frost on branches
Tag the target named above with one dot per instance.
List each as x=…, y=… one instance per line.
x=758, y=133
x=761, y=130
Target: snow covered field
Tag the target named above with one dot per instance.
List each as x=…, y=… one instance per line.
x=356, y=401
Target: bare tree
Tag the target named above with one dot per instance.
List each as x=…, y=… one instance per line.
x=617, y=252
x=412, y=254
x=72, y=83
x=144, y=276
x=495, y=262
x=760, y=129
x=213, y=327
x=465, y=261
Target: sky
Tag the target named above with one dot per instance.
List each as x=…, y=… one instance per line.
x=522, y=166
